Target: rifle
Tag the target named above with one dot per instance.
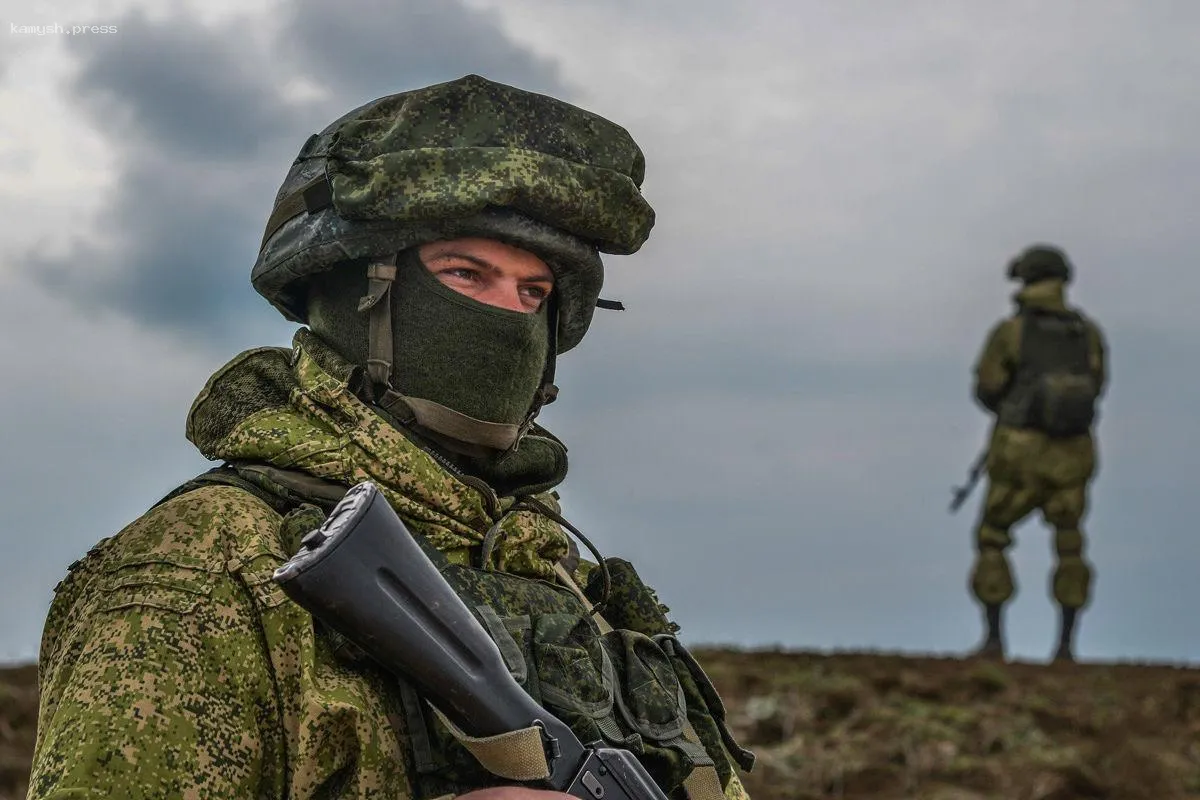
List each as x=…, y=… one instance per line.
x=365, y=575
x=961, y=493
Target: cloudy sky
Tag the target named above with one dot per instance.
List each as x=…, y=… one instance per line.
x=772, y=428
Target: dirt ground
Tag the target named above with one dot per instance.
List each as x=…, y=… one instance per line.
x=18, y=724
x=878, y=727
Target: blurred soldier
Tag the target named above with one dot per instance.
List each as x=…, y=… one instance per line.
x=443, y=248
x=1042, y=373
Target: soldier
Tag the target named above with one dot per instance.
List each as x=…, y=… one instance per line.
x=1041, y=372
x=442, y=247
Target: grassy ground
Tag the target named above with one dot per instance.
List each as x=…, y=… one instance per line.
x=876, y=727
x=18, y=724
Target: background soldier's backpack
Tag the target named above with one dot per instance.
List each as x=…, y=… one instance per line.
x=1055, y=374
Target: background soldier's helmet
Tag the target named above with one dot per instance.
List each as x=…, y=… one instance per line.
x=1038, y=263
x=468, y=157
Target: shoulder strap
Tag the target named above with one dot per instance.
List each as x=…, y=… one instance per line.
x=282, y=490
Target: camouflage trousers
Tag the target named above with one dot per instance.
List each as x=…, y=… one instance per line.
x=1028, y=472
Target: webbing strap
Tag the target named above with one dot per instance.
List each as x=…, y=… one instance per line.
x=569, y=582
x=378, y=300
x=312, y=196
x=703, y=782
x=455, y=424
x=517, y=755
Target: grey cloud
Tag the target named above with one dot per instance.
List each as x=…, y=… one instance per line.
x=203, y=139
x=372, y=48
x=788, y=395
x=829, y=483
x=200, y=139
x=186, y=242
x=181, y=88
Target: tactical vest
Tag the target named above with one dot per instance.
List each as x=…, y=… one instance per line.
x=624, y=679
x=1054, y=387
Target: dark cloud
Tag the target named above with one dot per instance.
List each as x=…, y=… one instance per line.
x=372, y=48
x=183, y=240
x=203, y=137
x=180, y=88
x=788, y=395
x=200, y=137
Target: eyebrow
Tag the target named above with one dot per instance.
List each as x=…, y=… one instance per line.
x=484, y=264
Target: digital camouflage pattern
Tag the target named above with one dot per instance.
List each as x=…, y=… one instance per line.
x=173, y=666
x=1030, y=471
x=618, y=685
x=454, y=160
x=454, y=149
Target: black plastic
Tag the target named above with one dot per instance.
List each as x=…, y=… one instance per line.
x=364, y=575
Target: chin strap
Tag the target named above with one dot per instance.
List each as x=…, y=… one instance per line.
x=381, y=276
x=547, y=392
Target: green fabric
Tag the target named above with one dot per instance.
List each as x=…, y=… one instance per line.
x=1053, y=388
x=633, y=604
x=536, y=466
x=457, y=147
x=996, y=367
x=479, y=360
x=621, y=686
x=489, y=362
x=173, y=666
x=1008, y=502
x=1072, y=580
x=991, y=575
x=1028, y=470
x=438, y=162
x=325, y=430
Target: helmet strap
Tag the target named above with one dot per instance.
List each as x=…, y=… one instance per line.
x=547, y=392
x=381, y=275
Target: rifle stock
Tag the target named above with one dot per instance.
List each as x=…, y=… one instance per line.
x=363, y=574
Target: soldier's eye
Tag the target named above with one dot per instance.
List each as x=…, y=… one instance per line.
x=460, y=273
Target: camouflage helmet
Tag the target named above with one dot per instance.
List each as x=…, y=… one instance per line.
x=468, y=157
x=1040, y=262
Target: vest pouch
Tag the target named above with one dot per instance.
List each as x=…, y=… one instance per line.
x=635, y=606
x=649, y=697
x=629, y=602
x=650, y=702
x=574, y=672
x=705, y=709
x=1063, y=404
x=554, y=655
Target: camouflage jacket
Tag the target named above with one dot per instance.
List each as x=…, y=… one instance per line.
x=996, y=365
x=172, y=665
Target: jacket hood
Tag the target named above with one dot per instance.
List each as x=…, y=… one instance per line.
x=296, y=410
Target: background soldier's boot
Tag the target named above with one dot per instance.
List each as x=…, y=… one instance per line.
x=993, y=643
x=1066, y=633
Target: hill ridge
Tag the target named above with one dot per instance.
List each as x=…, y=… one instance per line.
x=864, y=725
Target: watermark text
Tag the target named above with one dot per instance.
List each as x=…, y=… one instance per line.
x=58, y=29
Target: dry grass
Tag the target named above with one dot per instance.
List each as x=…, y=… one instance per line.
x=877, y=726
x=881, y=727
